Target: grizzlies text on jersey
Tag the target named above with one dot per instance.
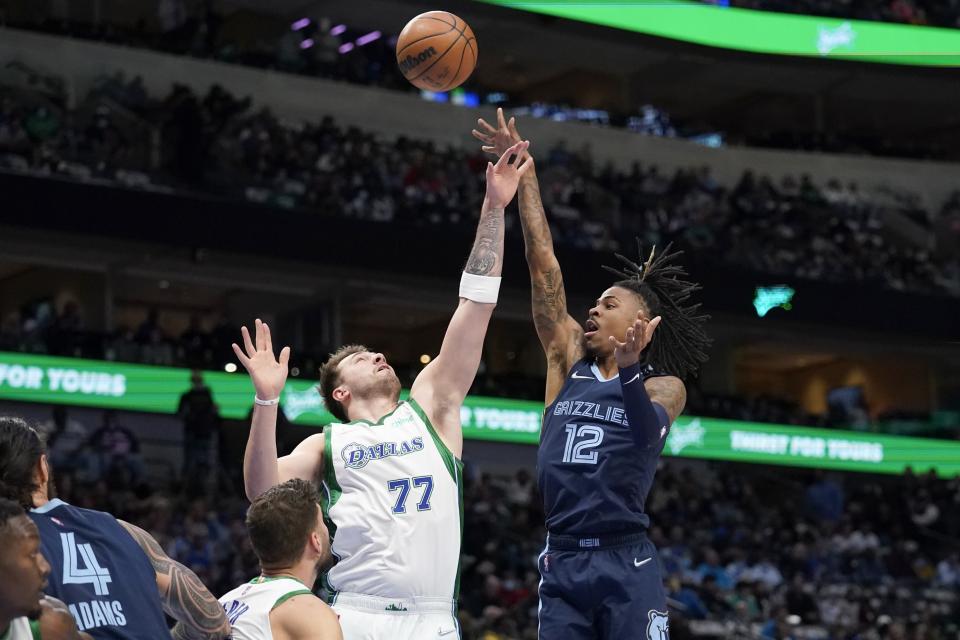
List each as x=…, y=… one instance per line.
x=593, y=477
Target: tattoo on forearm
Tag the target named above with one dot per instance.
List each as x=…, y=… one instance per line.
x=486, y=258
x=533, y=219
x=549, y=298
x=197, y=611
x=669, y=392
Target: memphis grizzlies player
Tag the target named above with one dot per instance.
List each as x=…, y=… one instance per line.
x=614, y=387
x=390, y=470
x=113, y=576
x=286, y=530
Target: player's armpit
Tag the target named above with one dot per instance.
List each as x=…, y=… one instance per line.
x=304, y=617
x=305, y=461
x=57, y=623
x=669, y=392
x=183, y=596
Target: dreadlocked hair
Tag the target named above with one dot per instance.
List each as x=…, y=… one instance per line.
x=680, y=343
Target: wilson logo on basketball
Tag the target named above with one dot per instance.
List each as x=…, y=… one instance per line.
x=412, y=62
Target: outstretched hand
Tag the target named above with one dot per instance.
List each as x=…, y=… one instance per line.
x=268, y=374
x=496, y=140
x=627, y=353
x=504, y=177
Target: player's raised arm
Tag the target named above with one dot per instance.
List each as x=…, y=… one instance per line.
x=184, y=598
x=443, y=384
x=559, y=333
x=261, y=467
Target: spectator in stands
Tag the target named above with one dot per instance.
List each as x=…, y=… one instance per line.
x=118, y=453
x=825, y=498
x=201, y=424
x=195, y=344
x=65, y=437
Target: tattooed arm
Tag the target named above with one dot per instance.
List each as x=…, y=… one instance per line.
x=559, y=333
x=183, y=596
x=669, y=392
x=443, y=384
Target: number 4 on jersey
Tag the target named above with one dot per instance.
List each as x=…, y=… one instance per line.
x=403, y=486
x=91, y=573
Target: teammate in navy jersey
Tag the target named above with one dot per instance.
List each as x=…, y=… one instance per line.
x=613, y=390
x=113, y=576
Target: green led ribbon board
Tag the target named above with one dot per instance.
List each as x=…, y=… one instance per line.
x=132, y=387
x=763, y=31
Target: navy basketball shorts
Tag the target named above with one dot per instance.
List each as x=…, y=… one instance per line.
x=601, y=588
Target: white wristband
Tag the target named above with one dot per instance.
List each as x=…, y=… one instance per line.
x=266, y=403
x=479, y=288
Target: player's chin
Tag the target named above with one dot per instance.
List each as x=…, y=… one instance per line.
x=594, y=344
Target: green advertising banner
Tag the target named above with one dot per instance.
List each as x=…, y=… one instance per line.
x=762, y=31
x=94, y=383
x=806, y=447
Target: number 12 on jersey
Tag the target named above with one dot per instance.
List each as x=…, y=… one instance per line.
x=580, y=452
x=403, y=486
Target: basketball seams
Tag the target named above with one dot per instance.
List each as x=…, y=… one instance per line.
x=456, y=74
x=422, y=38
x=439, y=58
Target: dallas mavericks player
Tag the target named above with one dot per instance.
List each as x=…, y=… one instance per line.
x=113, y=576
x=390, y=470
x=606, y=420
x=25, y=612
x=288, y=535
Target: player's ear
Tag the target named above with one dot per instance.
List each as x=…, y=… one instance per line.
x=316, y=543
x=341, y=393
x=42, y=471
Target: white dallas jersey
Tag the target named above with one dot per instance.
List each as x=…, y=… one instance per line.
x=393, y=502
x=248, y=606
x=22, y=629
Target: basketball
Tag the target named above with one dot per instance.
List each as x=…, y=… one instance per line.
x=436, y=51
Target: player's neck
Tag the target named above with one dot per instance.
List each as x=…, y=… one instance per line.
x=39, y=498
x=607, y=366
x=5, y=621
x=304, y=572
x=372, y=409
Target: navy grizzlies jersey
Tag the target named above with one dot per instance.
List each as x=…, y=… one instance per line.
x=593, y=477
x=100, y=572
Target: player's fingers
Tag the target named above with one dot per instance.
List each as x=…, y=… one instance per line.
x=267, y=339
x=501, y=122
x=244, y=360
x=512, y=128
x=524, y=166
x=258, y=337
x=491, y=150
x=285, y=356
x=510, y=156
x=486, y=125
x=482, y=137
x=247, y=342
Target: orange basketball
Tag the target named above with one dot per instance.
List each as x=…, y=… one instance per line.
x=436, y=51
